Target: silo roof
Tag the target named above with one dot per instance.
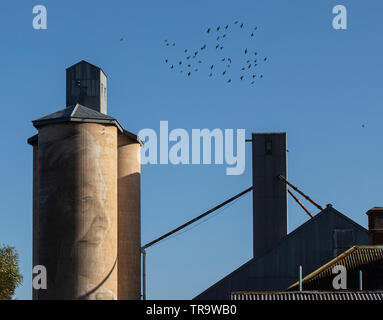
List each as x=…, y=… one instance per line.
x=80, y=113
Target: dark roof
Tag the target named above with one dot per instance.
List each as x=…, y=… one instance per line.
x=328, y=210
x=84, y=61
x=77, y=113
x=309, y=296
x=354, y=258
x=80, y=113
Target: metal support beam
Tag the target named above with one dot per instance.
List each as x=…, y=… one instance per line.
x=300, y=192
x=143, y=274
x=299, y=202
x=197, y=218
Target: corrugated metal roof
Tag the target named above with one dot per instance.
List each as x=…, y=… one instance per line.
x=354, y=258
x=80, y=113
x=309, y=296
x=73, y=113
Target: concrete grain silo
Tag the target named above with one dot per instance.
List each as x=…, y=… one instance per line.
x=86, y=197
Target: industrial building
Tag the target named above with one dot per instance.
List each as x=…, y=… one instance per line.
x=313, y=248
x=86, y=215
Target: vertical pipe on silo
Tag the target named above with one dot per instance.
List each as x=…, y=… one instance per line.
x=129, y=219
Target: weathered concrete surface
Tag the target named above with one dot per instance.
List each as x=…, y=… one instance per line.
x=77, y=201
x=129, y=219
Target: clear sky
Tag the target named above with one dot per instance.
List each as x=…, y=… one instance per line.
x=322, y=86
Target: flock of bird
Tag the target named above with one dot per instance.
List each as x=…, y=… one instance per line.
x=220, y=64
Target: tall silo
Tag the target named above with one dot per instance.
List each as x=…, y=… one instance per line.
x=129, y=220
x=78, y=185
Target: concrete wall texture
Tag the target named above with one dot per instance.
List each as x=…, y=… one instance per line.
x=76, y=212
x=129, y=221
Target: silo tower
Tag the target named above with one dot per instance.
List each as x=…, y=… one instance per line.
x=86, y=196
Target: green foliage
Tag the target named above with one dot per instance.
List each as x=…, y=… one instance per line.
x=10, y=277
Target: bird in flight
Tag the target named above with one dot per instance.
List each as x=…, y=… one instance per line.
x=241, y=77
x=265, y=59
x=249, y=66
x=261, y=76
x=188, y=57
x=229, y=80
x=217, y=38
x=254, y=76
x=189, y=73
x=241, y=26
x=217, y=46
x=210, y=75
x=166, y=60
x=173, y=44
x=252, y=35
x=186, y=50
x=221, y=47
x=171, y=67
x=252, y=82
x=211, y=67
x=227, y=26
x=223, y=73
x=235, y=22
x=224, y=36
x=246, y=51
x=223, y=59
x=180, y=62
x=218, y=28
x=208, y=30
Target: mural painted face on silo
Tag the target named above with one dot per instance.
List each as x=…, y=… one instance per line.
x=82, y=222
x=94, y=222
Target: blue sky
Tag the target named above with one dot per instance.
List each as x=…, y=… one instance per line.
x=320, y=86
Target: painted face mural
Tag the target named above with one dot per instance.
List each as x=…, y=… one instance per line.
x=82, y=221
